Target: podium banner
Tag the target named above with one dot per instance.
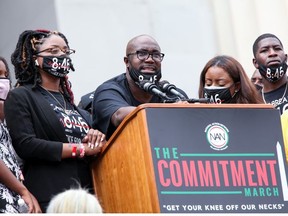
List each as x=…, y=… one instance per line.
x=218, y=160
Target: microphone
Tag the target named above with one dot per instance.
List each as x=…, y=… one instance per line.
x=165, y=86
x=198, y=100
x=152, y=89
x=190, y=100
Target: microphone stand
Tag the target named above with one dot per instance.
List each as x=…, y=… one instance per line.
x=152, y=89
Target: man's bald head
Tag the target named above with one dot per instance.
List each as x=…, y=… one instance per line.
x=140, y=41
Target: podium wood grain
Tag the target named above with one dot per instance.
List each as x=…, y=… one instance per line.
x=124, y=175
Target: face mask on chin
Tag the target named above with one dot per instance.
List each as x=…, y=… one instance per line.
x=58, y=66
x=273, y=73
x=4, y=88
x=217, y=94
x=138, y=76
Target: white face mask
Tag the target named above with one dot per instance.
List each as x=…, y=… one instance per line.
x=4, y=88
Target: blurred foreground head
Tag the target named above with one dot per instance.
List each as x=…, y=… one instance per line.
x=74, y=201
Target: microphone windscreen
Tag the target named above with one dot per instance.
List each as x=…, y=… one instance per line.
x=204, y=100
x=199, y=100
x=162, y=83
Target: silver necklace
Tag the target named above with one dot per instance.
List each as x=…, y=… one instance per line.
x=263, y=96
x=63, y=107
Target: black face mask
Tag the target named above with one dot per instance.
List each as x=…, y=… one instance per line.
x=138, y=76
x=218, y=94
x=258, y=87
x=57, y=66
x=273, y=73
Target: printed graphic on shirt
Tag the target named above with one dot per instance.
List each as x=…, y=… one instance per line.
x=278, y=98
x=74, y=124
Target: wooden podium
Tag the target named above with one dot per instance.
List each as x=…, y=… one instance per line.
x=124, y=175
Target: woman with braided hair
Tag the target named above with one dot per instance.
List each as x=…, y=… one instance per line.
x=49, y=132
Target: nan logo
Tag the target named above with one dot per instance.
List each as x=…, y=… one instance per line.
x=217, y=136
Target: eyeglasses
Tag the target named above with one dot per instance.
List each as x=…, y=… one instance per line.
x=57, y=50
x=144, y=55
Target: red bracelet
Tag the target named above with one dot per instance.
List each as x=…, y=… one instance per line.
x=74, y=151
x=82, y=151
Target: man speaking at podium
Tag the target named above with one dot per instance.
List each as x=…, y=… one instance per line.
x=119, y=96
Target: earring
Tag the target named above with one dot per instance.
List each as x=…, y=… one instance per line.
x=36, y=62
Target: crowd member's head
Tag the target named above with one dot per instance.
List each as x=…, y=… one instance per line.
x=256, y=78
x=4, y=69
x=143, y=59
x=5, y=84
x=223, y=80
x=4, y=72
x=270, y=58
x=74, y=201
x=42, y=53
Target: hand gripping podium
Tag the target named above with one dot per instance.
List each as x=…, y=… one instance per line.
x=195, y=158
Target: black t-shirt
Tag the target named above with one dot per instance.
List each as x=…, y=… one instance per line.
x=109, y=97
x=75, y=127
x=278, y=97
x=74, y=124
